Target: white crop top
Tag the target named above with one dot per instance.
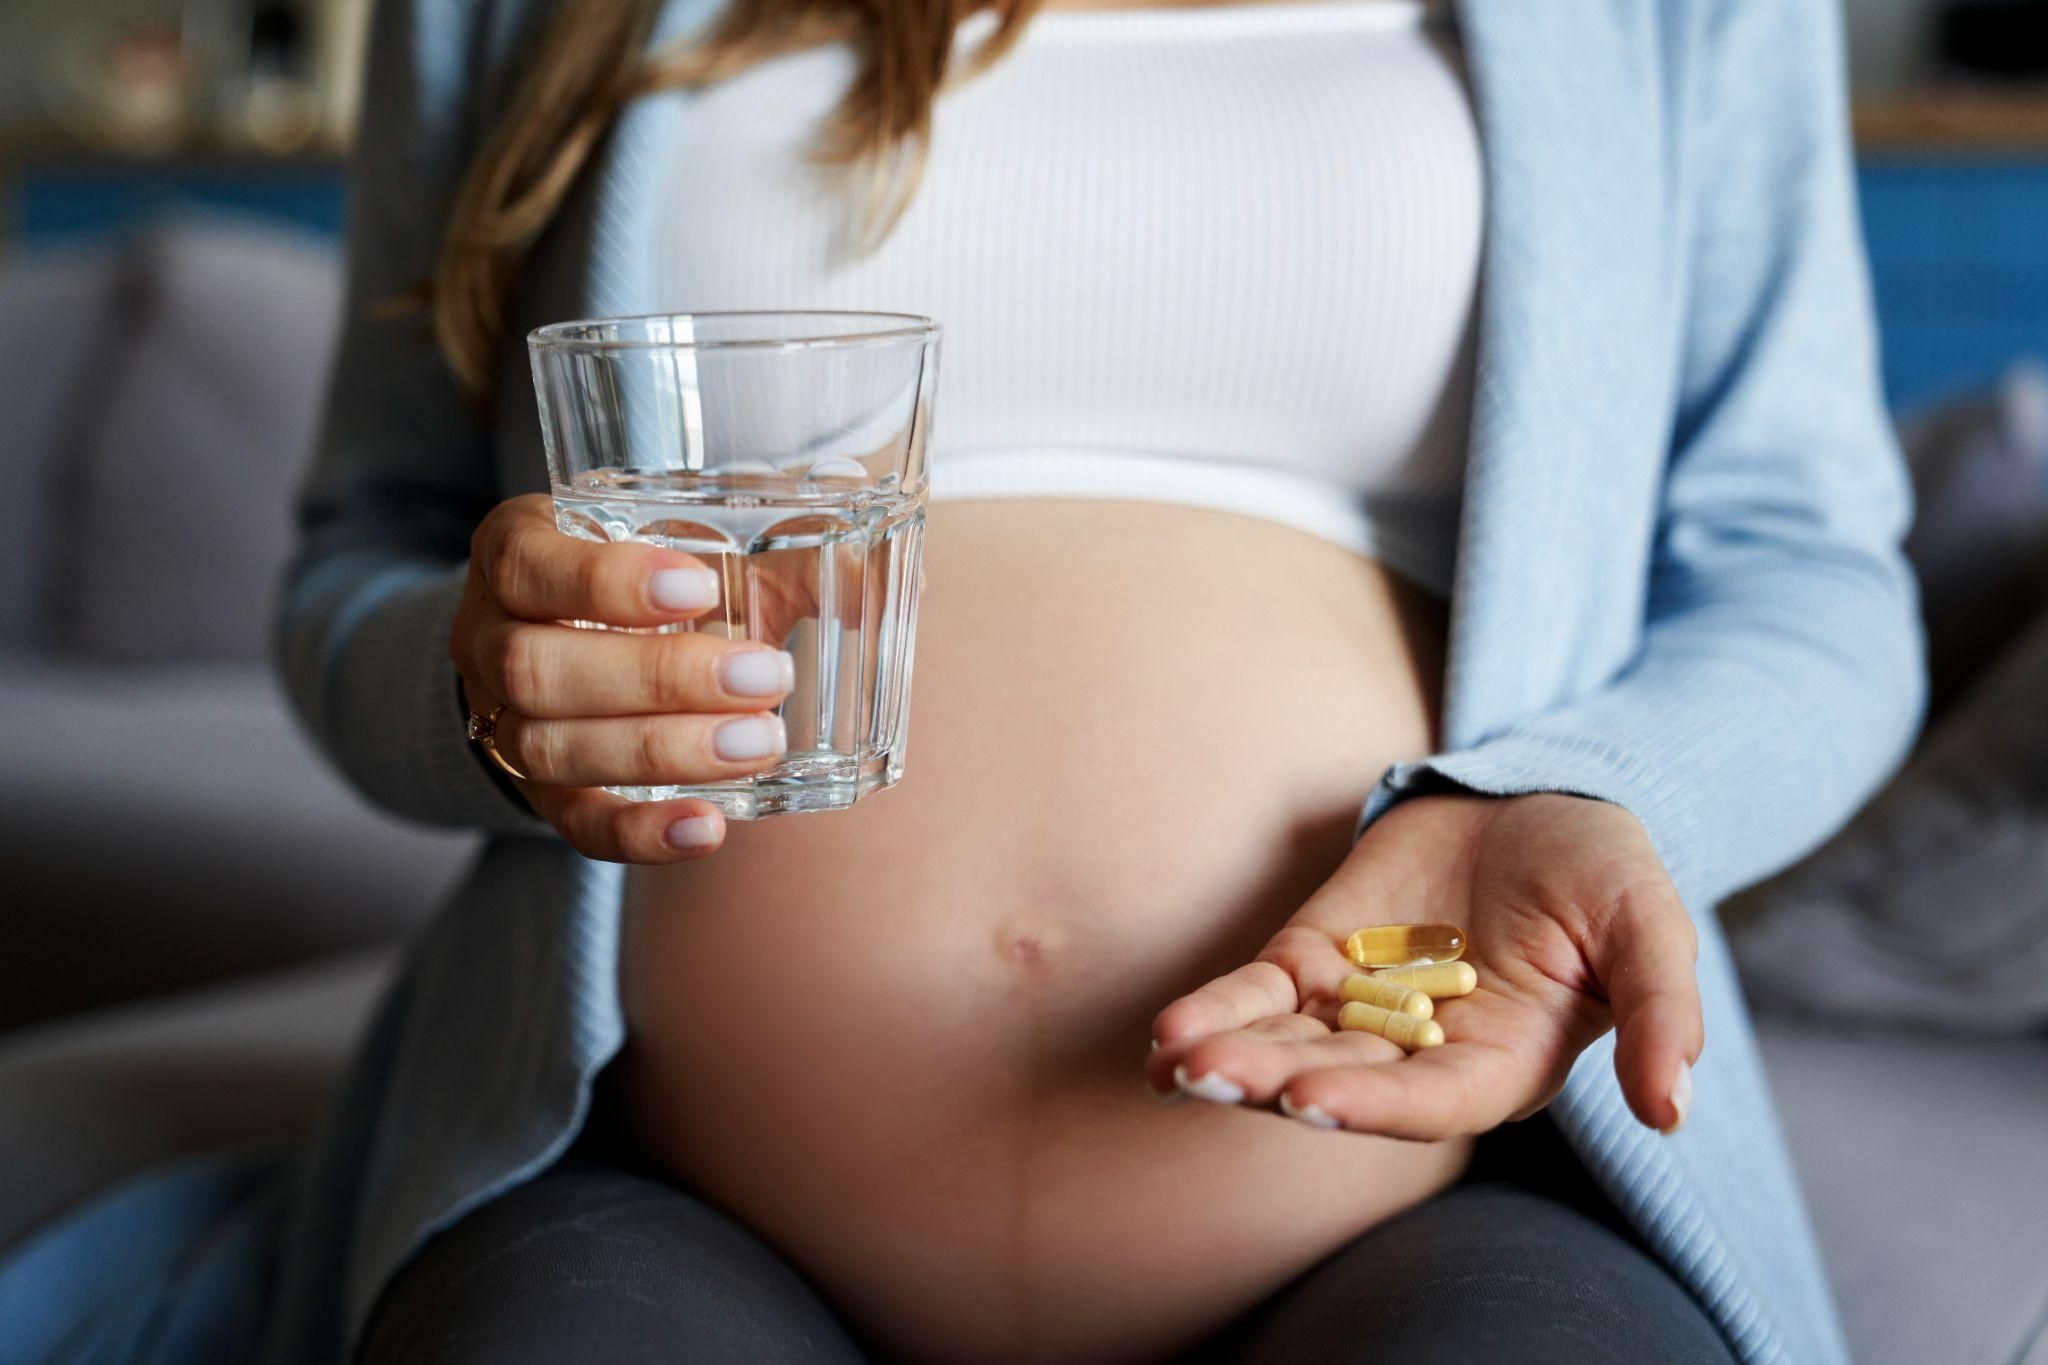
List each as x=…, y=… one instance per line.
x=1223, y=255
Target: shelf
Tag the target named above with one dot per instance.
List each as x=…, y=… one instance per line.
x=1975, y=122
x=55, y=189
x=45, y=148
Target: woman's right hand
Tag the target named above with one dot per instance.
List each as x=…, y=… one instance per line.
x=585, y=709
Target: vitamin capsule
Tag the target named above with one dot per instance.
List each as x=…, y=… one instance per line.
x=1438, y=980
x=1405, y=1029
x=1388, y=995
x=1405, y=945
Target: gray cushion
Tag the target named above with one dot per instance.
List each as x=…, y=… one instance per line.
x=1925, y=1162
x=1937, y=892
x=1979, y=542
x=184, y=518
x=165, y=827
x=87, y=1102
x=57, y=312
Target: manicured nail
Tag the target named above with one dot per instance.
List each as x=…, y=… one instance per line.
x=1681, y=1096
x=757, y=673
x=749, y=737
x=692, y=832
x=683, y=589
x=1209, y=1087
x=1307, y=1113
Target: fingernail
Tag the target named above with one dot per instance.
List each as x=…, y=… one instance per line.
x=1155, y=1045
x=757, y=673
x=683, y=589
x=1307, y=1113
x=749, y=737
x=1681, y=1096
x=693, y=832
x=1210, y=1087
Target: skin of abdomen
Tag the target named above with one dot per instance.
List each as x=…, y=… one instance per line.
x=904, y=1042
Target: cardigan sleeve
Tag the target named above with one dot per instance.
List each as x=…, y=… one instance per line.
x=402, y=470
x=1779, y=676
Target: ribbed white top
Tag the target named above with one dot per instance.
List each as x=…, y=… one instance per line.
x=1222, y=255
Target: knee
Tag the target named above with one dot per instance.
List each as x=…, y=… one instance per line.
x=1482, y=1275
x=598, y=1266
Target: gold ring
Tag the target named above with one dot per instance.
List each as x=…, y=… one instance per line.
x=483, y=730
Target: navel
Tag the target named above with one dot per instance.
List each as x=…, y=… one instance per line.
x=1031, y=942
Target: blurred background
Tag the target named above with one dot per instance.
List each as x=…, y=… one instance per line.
x=171, y=202
x=171, y=199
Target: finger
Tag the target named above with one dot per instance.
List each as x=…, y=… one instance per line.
x=1301, y=968
x=550, y=671
x=1165, y=1057
x=1646, y=970
x=1314, y=957
x=612, y=829
x=1254, y=1065
x=641, y=750
x=1448, y=1091
x=537, y=573
x=1254, y=991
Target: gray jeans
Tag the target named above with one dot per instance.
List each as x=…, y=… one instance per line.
x=1523, y=1262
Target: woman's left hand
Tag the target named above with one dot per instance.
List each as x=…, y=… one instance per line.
x=1571, y=923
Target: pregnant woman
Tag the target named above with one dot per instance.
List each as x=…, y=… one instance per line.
x=1394, y=463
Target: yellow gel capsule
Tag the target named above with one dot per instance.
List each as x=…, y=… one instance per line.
x=1405, y=945
x=1388, y=995
x=1395, y=1027
x=1438, y=980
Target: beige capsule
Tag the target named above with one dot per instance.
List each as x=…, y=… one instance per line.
x=1395, y=1027
x=1388, y=995
x=1404, y=945
x=1438, y=980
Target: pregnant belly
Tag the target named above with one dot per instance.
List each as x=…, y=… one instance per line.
x=904, y=1042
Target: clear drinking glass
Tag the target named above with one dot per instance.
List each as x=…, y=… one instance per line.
x=786, y=450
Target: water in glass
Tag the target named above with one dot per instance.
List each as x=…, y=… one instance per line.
x=830, y=574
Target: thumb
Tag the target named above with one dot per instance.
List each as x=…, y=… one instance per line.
x=1647, y=974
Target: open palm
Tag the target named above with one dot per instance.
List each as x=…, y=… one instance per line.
x=1573, y=927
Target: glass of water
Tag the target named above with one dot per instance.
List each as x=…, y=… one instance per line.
x=786, y=450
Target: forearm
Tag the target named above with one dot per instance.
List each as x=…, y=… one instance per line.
x=1748, y=729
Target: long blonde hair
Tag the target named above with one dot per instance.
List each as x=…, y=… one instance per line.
x=590, y=61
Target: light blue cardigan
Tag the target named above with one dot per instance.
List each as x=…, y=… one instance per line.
x=1678, y=589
